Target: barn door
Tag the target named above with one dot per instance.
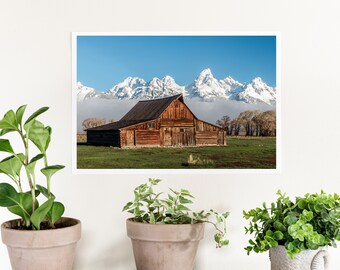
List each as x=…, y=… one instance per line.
x=130, y=138
x=184, y=137
x=167, y=137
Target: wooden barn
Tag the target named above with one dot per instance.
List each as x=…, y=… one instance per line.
x=158, y=122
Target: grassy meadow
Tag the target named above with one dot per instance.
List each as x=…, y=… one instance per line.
x=240, y=153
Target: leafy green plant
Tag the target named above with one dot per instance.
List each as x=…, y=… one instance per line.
x=310, y=222
x=149, y=207
x=18, y=201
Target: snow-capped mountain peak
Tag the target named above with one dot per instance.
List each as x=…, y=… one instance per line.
x=205, y=88
x=85, y=93
x=258, y=90
x=206, y=73
x=205, y=76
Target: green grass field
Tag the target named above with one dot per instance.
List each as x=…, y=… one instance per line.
x=240, y=153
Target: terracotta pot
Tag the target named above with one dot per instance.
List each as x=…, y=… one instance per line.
x=42, y=250
x=305, y=260
x=164, y=246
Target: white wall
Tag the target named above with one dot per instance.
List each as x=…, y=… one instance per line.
x=35, y=69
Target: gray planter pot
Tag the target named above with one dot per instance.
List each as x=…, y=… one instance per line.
x=305, y=260
x=164, y=247
x=42, y=250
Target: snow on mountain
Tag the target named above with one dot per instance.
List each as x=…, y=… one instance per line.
x=232, y=87
x=127, y=88
x=258, y=91
x=158, y=88
x=136, y=88
x=205, y=88
x=85, y=93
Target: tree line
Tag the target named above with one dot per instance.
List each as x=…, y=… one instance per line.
x=253, y=122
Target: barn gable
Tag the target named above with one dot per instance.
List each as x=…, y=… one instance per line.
x=159, y=122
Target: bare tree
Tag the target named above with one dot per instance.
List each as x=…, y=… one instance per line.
x=267, y=123
x=225, y=122
x=235, y=126
x=93, y=122
x=247, y=120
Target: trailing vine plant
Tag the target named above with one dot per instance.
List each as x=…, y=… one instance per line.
x=150, y=207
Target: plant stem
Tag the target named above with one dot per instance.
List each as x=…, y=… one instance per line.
x=48, y=179
x=217, y=228
x=31, y=184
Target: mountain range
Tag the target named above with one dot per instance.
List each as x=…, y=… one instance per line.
x=204, y=88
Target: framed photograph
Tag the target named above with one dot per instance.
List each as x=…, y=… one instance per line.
x=176, y=103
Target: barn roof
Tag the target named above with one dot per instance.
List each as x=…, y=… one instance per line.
x=149, y=109
x=143, y=111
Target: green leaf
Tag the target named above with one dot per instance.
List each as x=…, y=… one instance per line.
x=186, y=192
x=9, y=121
x=184, y=200
x=5, y=146
x=307, y=214
x=49, y=171
x=40, y=213
x=5, y=131
x=31, y=165
x=44, y=191
x=20, y=113
x=38, y=134
x=278, y=235
x=127, y=206
x=302, y=204
x=152, y=218
x=290, y=219
x=279, y=226
x=12, y=165
x=56, y=212
x=24, y=207
x=36, y=114
x=8, y=195
x=154, y=181
x=181, y=207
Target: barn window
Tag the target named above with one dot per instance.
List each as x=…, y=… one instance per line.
x=183, y=129
x=151, y=125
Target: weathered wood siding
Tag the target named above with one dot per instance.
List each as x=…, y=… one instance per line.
x=176, y=136
x=147, y=137
x=177, y=115
x=127, y=138
x=141, y=135
x=107, y=138
x=207, y=134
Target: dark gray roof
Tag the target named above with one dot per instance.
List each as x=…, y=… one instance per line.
x=143, y=111
x=149, y=109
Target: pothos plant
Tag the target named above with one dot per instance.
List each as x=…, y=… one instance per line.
x=312, y=221
x=21, y=198
x=149, y=207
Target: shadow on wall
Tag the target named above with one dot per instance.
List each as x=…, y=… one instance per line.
x=118, y=256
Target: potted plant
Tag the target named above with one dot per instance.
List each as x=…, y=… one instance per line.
x=295, y=233
x=164, y=232
x=41, y=239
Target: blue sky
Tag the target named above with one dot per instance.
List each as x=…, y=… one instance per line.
x=103, y=61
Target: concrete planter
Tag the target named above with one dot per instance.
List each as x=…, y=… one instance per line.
x=305, y=260
x=163, y=246
x=42, y=250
